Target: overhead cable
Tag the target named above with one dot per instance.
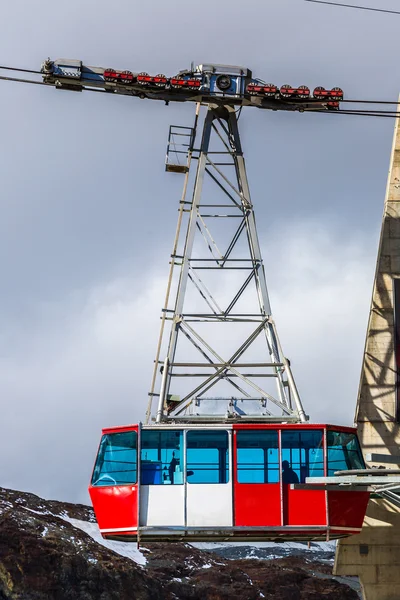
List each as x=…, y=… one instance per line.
x=389, y=115
x=22, y=70
x=19, y=80
x=382, y=10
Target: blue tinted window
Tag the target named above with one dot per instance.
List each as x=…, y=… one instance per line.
x=207, y=456
x=116, y=462
x=344, y=452
x=302, y=455
x=160, y=457
x=257, y=456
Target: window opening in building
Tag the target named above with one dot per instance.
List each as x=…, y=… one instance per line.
x=302, y=455
x=207, y=456
x=160, y=454
x=116, y=462
x=257, y=456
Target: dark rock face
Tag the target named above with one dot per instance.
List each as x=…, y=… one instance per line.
x=45, y=557
x=198, y=575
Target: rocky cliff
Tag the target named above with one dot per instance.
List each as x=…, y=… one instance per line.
x=52, y=550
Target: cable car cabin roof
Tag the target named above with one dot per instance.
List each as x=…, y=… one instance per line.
x=229, y=426
x=225, y=482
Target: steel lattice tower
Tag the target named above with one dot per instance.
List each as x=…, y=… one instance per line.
x=188, y=364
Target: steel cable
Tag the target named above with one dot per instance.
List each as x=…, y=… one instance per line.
x=382, y=10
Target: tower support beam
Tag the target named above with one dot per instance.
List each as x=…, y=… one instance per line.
x=216, y=263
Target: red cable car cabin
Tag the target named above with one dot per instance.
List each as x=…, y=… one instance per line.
x=225, y=482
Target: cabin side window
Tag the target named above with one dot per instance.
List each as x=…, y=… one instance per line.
x=302, y=455
x=257, y=456
x=207, y=456
x=161, y=457
x=116, y=462
x=344, y=453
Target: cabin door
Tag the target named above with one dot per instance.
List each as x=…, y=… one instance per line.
x=302, y=455
x=162, y=498
x=209, y=479
x=256, y=478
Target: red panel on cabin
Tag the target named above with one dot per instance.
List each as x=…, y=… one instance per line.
x=115, y=506
x=347, y=509
x=303, y=507
x=257, y=504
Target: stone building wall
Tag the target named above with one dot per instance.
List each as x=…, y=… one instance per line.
x=374, y=554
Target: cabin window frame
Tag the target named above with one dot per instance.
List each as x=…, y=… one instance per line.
x=108, y=479
x=302, y=459
x=347, y=459
x=224, y=463
x=240, y=472
x=162, y=472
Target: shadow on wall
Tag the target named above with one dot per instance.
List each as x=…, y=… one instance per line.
x=377, y=404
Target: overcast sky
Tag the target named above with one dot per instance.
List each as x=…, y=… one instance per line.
x=88, y=212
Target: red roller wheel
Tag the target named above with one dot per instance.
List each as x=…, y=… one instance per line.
x=286, y=91
x=160, y=83
x=319, y=92
x=333, y=105
x=110, y=75
x=270, y=90
x=254, y=88
x=303, y=91
x=177, y=82
x=142, y=74
x=126, y=77
x=337, y=93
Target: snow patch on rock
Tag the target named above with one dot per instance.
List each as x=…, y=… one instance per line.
x=126, y=549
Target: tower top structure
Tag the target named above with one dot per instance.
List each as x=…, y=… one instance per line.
x=223, y=85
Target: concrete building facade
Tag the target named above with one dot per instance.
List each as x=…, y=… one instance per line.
x=374, y=554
